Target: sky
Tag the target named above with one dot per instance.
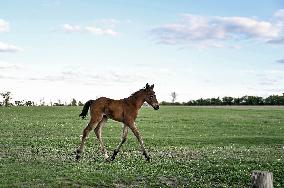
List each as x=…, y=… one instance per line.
x=62, y=49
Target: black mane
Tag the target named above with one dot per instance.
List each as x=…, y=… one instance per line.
x=133, y=95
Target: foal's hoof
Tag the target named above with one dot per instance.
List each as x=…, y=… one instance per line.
x=113, y=155
x=78, y=157
x=77, y=152
x=112, y=158
x=148, y=159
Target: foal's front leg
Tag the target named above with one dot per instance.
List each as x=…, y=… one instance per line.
x=135, y=131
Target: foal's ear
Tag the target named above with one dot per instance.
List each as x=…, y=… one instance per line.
x=147, y=86
x=152, y=86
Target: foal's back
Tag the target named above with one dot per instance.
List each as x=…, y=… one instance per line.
x=109, y=107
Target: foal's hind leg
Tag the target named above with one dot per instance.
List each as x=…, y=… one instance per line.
x=123, y=139
x=92, y=124
x=98, y=131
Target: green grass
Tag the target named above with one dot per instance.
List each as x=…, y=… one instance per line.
x=189, y=146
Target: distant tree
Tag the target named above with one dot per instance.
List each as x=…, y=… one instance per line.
x=237, y=101
x=200, y=102
x=42, y=102
x=191, y=103
x=228, y=100
x=19, y=103
x=254, y=100
x=80, y=103
x=73, y=102
x=174, y=96
x=215, y=101
x=177, y=104
x=206, y=102
x=29, y=103
x=58, y=103
x=281, y=99
x=6, y=98
x=244, y=100
x=274, y=100
x=271, y=100
x=164, y=103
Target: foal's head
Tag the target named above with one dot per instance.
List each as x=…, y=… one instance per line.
x=150, y=96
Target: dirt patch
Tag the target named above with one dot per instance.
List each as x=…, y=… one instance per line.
x=169, y=181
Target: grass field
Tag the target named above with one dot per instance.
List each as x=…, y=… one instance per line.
x=189, y=146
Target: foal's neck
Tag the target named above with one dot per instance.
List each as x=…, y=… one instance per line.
x=137, y=99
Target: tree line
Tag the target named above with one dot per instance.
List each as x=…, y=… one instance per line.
x=7, y=101
x=244, y=100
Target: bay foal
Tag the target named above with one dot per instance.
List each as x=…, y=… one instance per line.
x=123, y=110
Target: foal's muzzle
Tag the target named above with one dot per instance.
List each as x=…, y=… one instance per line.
x=156, y=107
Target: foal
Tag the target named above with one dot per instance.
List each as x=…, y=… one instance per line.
x=123, y=110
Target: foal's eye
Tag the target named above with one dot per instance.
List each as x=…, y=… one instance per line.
x=151, y=96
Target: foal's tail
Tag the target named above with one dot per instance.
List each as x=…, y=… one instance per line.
x=86, y=109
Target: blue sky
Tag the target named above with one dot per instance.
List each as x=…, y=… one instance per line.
x=64, y=49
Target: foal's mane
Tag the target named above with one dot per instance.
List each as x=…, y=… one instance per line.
x=134, y=95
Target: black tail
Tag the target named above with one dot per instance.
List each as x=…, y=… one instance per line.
x=86, y=109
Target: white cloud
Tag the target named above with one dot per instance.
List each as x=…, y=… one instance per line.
x=9, y=48
x=107, y=77
x=53, y=4
x=197, y=29
x=100, y=31
x=271, y=78
x=68, y=28
x=4, y=47
x=109, y=22
x=281, y=61
x=71, y=28
x=264, y=80
x=4, y=26
x=279, y=14
x=249, y=27
x=9, y=66
x=68, y=82
x=74, y=75
x=277, y=41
